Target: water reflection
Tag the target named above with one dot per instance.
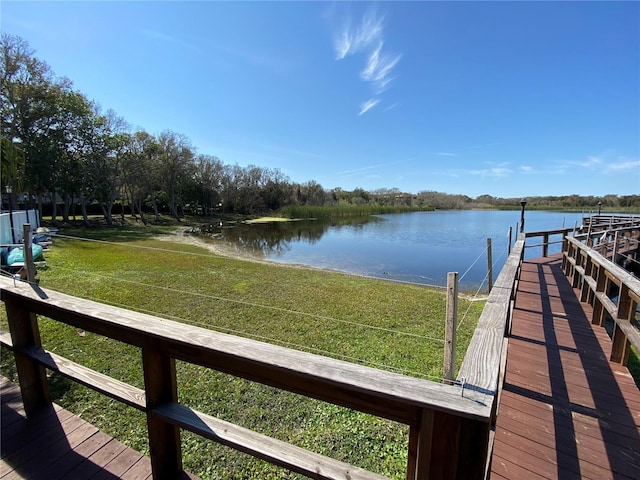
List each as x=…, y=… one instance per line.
x=274, y=239
x=419, y=247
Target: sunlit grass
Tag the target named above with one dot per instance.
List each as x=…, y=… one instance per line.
x=387, y=325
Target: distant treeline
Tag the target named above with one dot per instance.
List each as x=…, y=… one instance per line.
x=60, y=151
x=563, y=202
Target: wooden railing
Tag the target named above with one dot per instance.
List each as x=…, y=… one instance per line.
x=449, y=425
x=546, y=239
x=482, y=371
x=595, y=223
x=610, y=289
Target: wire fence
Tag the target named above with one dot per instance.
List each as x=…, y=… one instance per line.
x=186, y=294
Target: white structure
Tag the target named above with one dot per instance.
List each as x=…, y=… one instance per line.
x=20, y=217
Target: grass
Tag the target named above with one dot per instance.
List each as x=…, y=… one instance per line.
x=342, y=211
x=308, y=309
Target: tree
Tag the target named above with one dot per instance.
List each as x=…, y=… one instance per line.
x=208, y=180
x=176, y=161
x=30, y=114
x=140, y=171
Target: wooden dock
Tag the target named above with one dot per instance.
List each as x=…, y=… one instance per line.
x=57, y=445
x=565, y=411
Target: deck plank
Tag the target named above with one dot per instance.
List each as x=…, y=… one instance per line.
x=54, y=444
x=565, y=412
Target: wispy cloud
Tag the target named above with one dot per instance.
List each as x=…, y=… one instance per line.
x=446, y=154
x=170, y=39
x=623, y=164
x=495, y=172
x=368, y=105
x=350, y=40
x=591, y=162
x=260, y=60
x=367, y=38
x=369, y=168
x=379, y=68
x=605, y=164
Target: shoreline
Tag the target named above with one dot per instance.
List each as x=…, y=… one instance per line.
x=180, y=236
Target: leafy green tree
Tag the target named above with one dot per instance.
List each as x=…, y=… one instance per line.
x=30, y=113
x=176, y=163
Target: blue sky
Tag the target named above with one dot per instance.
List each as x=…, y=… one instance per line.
x=509, y=99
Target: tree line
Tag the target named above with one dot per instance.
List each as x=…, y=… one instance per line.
x=61, y=149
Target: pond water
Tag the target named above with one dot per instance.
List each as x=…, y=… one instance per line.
x=418, y=247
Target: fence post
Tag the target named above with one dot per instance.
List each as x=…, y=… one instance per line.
x=29, y=266
x=489, y=264
x=615, y=247
x=602, y=286
x=164, y=438
x=510, y=240
x=626, y=312
x=447, y=447
x=32, y=376
x=545, y=245
x=450, y=329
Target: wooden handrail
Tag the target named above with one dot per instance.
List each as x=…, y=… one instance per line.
x=450, y=425
x=485, y=349
x=596, y=276
x=563, y=232
x=435, y=412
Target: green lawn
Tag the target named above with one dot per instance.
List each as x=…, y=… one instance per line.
x=387, y=325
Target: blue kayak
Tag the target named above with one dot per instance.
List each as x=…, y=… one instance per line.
x=17, y=254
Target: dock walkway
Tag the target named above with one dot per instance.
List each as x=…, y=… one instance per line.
x=57, y=445
x=566, y=411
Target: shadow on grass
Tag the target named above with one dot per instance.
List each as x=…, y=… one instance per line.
x=130, y=231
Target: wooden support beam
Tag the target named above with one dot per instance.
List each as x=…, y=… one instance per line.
x=447, y=447
x=599, y=312
x=29, y=266
x=25, y=335
x=625, y=312
x=420, y=442
x=164, y=438
x=489, y=264
x=584, y=288
x=451, y=327
x=545, y=245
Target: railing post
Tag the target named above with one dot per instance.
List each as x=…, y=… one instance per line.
x=447, y=447
x=575, y=277
x=545, y=245
x=584, y=288
x=29, y=266
x=567, y=249
x=450, y=328
x=615, y=247
x=602, y=286
x=620, y=343
x=489, y=264
x=510, y=240
x=164, y=438
x=25, y=334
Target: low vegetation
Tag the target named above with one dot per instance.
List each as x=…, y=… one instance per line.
x=343, y=211
x=317, y=311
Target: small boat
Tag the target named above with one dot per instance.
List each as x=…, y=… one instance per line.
x=16, y=255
